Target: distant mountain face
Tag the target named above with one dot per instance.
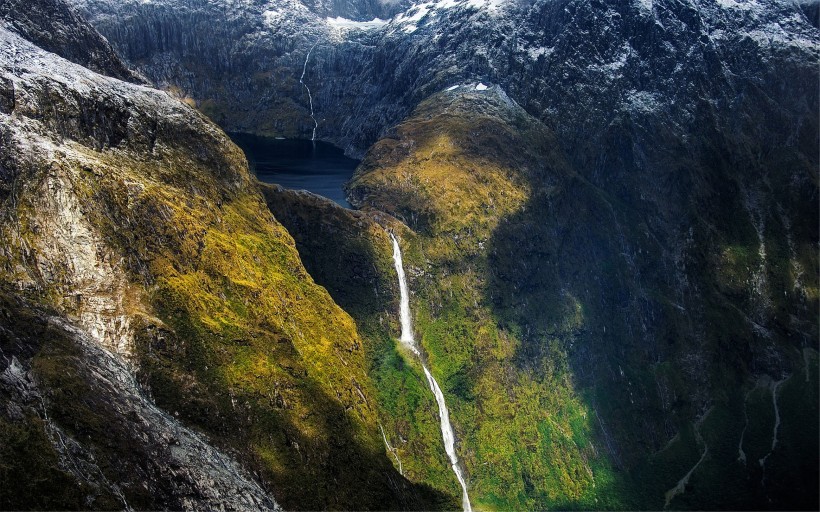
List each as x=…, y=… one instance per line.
x=572, y=64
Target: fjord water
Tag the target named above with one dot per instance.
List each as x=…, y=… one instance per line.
x=407, y=339
x=298, y=164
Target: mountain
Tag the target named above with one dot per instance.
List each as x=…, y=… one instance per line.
x=607, y=213
x=56, y=27
x=163, y=346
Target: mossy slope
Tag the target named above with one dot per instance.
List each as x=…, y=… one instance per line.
x=136, y=218
x=592, y=347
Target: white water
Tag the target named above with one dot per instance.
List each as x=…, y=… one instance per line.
x=310, y=96
x=762, y=461
x=391, y=449
x=407, y=339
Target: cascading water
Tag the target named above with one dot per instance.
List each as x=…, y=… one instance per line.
x=310, y=96
x=407, y=339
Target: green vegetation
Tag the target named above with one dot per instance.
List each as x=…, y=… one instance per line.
x=578, y=371
x=232, y=336
x=454, y=172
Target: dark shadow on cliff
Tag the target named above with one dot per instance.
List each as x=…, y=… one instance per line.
x=635, y=261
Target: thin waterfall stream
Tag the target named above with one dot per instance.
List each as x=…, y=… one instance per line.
x=409, y=341
x=310, y=96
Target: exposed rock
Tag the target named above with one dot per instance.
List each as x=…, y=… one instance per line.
x=54, y=26
x=107, y=435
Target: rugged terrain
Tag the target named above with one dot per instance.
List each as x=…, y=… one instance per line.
x=608, y=213
x=156, y=316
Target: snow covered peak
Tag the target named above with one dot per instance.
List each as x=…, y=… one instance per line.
x=420, y=14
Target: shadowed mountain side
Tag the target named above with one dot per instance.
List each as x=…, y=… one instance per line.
x=688, y=284
x=346, y=251
x=609, y=307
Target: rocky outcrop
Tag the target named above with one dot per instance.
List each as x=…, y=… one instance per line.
x=53, y=129
x=54, y=26
x=116, y=446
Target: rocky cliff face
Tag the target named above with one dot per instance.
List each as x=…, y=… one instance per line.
x=133, y=234
x=75, y=415
x=56, y=27
x=570, y=64
x=607, y=209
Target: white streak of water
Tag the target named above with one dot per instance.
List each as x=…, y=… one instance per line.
x=762, y=461
x=391, y=449
x=310, y=96
x=407, y=339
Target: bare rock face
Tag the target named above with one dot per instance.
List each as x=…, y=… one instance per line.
x=56, y=27
x=118, y=447
x=570, y=64
x=52, y=129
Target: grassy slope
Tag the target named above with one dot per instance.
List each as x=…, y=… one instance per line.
x=527, y=302
x=233, y=337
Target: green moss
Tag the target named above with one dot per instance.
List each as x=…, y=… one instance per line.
x=569, y=349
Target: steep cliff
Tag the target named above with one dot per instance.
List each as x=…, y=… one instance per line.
x=54, y=26
x=607, y=211
x=133, y=221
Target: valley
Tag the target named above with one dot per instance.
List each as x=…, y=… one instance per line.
x=552, y=254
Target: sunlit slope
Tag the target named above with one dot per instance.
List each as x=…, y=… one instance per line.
x=134, y=217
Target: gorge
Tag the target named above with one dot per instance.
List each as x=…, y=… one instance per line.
x=574, y=243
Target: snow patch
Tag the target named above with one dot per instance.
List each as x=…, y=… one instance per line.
x=340, y=23
x=491, y=5
x=536, y=53
x=481, y=87
x=420, y=13
x=644, y=101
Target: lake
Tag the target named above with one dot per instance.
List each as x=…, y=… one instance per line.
x=298, y=164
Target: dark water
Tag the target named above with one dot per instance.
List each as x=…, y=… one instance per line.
x=298, y=164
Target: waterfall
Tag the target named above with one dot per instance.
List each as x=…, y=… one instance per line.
x=310, y=96
x=407, y=339
x=404, y=308
x=391, y=449
x=774, y=386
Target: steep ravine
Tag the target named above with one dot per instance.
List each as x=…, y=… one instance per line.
x=134, y=221
x=607, y=213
